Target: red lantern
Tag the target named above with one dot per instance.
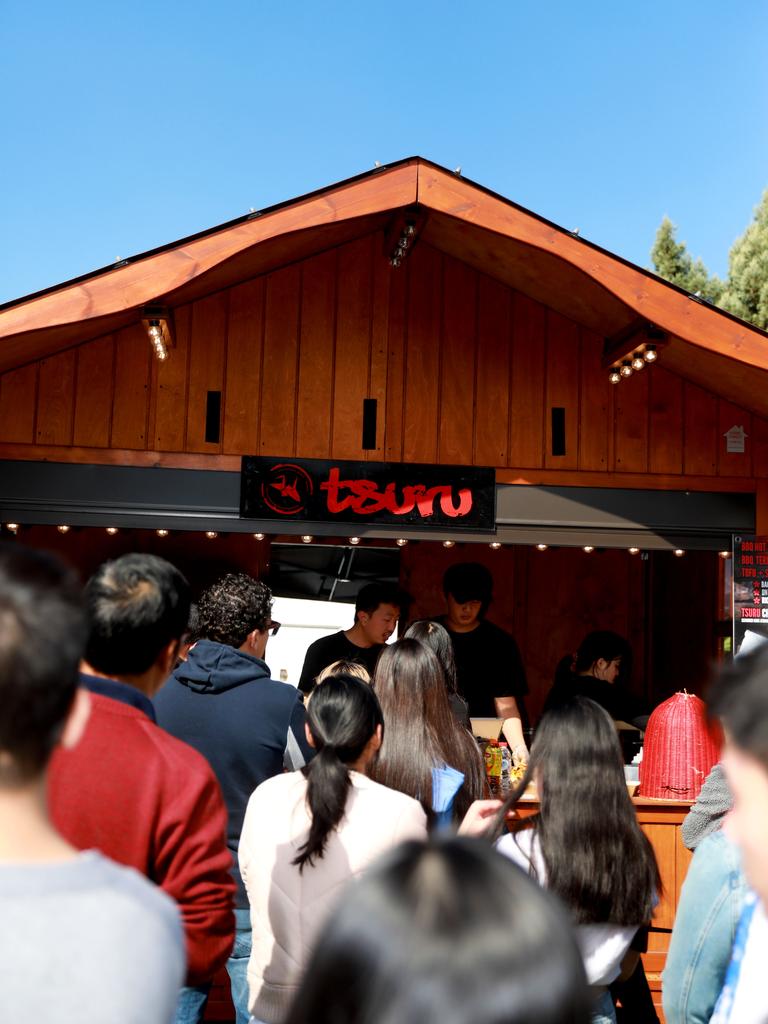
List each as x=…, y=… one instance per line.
x=679, y=750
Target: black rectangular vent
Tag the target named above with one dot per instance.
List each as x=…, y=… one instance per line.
x=369, y=424
x=213, y=417
x=558, y=430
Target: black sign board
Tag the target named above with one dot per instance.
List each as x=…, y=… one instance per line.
x=368, y=493
x=750, y=590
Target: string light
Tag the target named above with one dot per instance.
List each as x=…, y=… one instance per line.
x=725, y=554
x=161, y=533
x=63, y=528
x=354, y=540
x=638, y=362
x=588, y=549
x=111, y=530
x=448, y=543
x=258, y=536
x=494, y=545
x=626, y=369
x=211, y=534
x=12, y=527
x=679, y=552
x=401, y=542
x=650, y=354
x=634, y=551
x=614, y=376
x=307, y=538
x=542, y=547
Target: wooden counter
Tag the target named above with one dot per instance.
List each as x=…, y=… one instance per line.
x=660, y=820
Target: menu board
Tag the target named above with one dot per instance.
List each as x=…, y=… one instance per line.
x=750, y=592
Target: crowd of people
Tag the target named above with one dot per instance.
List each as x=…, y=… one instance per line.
x=168, y=809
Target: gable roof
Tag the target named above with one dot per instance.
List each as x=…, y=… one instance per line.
x=496, y=236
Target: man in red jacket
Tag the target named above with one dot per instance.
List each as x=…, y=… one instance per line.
x=132, y=790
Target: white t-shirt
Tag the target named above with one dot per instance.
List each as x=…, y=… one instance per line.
x=603, y=946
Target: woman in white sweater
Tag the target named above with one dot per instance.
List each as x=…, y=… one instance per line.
x=307, y=833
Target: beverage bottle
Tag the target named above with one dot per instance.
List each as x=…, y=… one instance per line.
x=493, y=765
x=506, y=764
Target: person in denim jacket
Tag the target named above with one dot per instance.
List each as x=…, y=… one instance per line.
x=705, y=926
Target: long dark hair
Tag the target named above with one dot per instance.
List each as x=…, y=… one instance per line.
x=601, y=643
x=426, y=936
x=436, y=637
x=597, y=859
x=422, y=732
x=343, y=714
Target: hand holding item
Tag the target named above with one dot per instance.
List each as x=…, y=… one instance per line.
x=480, y=816
x=520, y=755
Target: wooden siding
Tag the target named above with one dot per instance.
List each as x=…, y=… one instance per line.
x=463, y=368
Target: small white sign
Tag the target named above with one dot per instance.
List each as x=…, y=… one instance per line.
x=734, y=439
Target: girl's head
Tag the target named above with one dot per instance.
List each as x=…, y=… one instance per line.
x=603, y=654
x=345, y=668
x=436, y=637
x=422, y=732
x=409, y=681
x=597, y=859
x=575, y=741
x=345, y=726
x=446, y=932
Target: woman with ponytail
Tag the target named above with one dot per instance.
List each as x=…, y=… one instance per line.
x=306, y=833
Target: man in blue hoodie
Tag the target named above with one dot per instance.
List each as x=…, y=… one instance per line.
x=222, y=701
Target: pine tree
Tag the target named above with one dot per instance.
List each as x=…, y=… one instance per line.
x=673, y=262
x=746, y=290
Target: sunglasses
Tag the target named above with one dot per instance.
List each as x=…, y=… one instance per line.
x=273, y=627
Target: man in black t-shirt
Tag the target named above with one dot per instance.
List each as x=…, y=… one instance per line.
x=489, y=669
x=377, y=610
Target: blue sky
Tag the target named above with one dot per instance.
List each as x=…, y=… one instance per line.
x=126, y=126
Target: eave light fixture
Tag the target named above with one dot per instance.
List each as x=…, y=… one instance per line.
x=494, y=545
x=258, y=536
x=401, y=542
x=588, y=549
x=157, y=323
x=354, y=541
x=448, y=543
x=648, y=353
x=161, y=533
x=542, y=547
x=211, y=534
x=307, y=538
x=679, y=552
x=63, y=528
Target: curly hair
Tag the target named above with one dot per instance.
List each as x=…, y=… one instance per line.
x=233, y=607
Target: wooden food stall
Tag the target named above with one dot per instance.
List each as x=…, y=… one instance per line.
x=407, y=316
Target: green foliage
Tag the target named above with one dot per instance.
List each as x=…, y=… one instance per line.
x=673, y=262
x=746, y=290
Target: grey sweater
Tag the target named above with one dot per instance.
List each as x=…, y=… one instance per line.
x=87, y=941
x=706, y=815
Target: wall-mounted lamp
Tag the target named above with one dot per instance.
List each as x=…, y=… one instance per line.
x=401, y=542
x=157, y=323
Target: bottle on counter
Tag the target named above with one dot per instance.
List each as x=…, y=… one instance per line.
x=493, y=765
x=506, y=764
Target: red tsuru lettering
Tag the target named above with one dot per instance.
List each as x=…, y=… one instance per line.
x=364, y=498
